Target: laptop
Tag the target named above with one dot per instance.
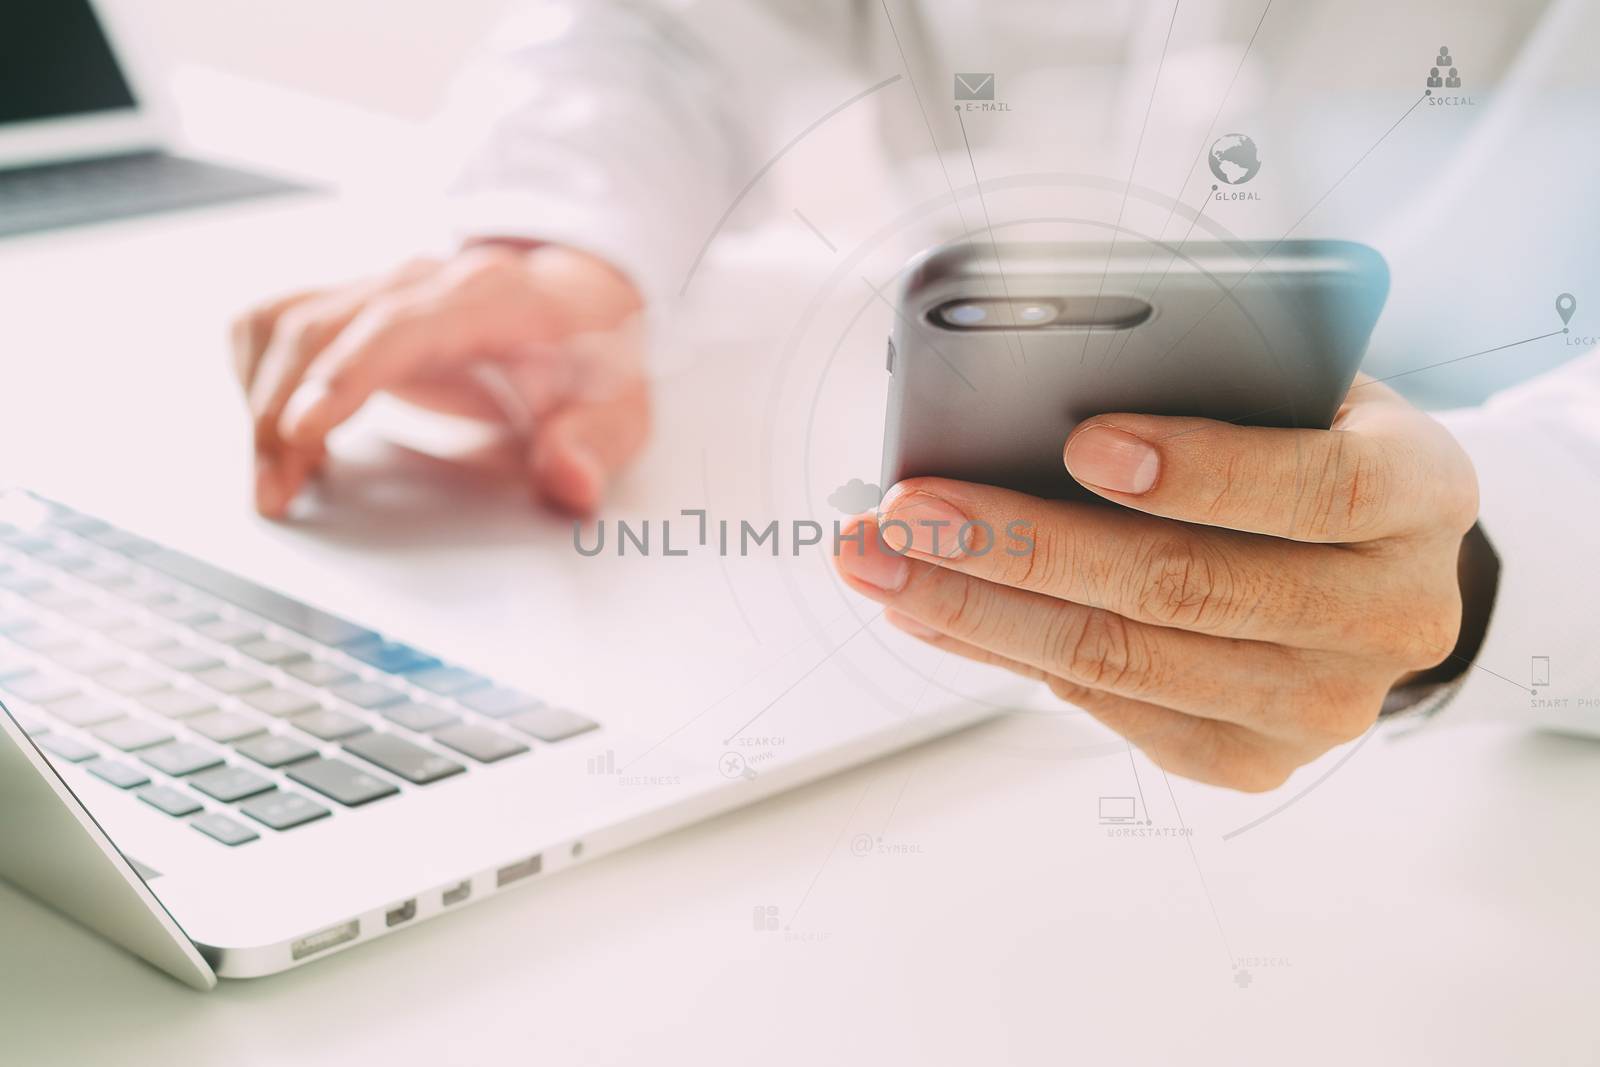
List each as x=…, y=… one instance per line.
x=79, y=142
x=229, y=782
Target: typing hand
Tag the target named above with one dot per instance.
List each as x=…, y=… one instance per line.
x=1248, y=607
x=544, y=340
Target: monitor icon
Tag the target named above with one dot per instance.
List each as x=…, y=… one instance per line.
x=1116, y=810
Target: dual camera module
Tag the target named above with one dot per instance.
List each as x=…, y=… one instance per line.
x=1108, y=312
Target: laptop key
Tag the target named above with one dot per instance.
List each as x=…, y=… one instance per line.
x=229, y=784
x=274, y=750
x=29, y=724
x=128, y=544
x=68, y=748
x=42, y=638
x=231, y=680
x=338, y=780
x=216, y=825
x=183, y=612
x=82, y=710
x=130, y=681
x=83, y=659
x=279, y=703
x=181, y=758
x=391, y=657
x=367, y=694
x=273, y=653
x=21, y=582
x=419, y=717
x=13, y=665
x=228, y=631
x=37, y=687
x=498, y=701
x=319, y=672
x=177, y=703
x=325, y=724
x=283, y=811
x=479, y=742
x=140, y=638
x=167, y=799
x=130, y=735
x=185, y=658
x=99, y=617
x=396, y=755
x=224, y=726
x=551, y=724
x=446, y=681
x=120, y=775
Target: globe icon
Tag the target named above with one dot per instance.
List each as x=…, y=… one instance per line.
x=1234, y=159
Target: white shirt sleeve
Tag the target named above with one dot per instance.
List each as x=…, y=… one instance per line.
x=605, y=125
x=1537, y=452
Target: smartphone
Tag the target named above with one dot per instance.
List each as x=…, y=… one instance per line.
x=999, y=350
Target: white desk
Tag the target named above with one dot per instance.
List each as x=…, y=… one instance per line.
x=1432, y=901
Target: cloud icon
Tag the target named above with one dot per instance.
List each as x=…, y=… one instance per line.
x=855, y=496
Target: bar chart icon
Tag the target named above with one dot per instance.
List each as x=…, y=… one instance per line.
x=604, y=763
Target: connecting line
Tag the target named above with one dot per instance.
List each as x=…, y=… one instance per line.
x=922, y=334
x=809, y=672
x=825, y=860
x=1194, y=857
x=1451, y=654
x=722, y=560
x=813, y=228
x=1127, y=337
x=933, y=141
x=1138, y=785
x=1127, y=187
x=761, y=172
x=1005, y=290
x=1245, y=419
x=697, y=716
x=1205, y=141
x=896, y=805
x=1293, y=226
x=927, y=683
x=1458, y=359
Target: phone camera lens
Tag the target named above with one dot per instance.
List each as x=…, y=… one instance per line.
x=1035, y=314
x=965, y=314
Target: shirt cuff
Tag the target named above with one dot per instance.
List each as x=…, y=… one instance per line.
x=1532, y=666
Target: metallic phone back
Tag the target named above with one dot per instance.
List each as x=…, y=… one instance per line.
x=1276, y=345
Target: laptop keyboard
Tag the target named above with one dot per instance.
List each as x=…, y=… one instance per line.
x=51, y=195
x=223, y=703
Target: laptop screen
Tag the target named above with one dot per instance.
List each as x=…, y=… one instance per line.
x=55, y=61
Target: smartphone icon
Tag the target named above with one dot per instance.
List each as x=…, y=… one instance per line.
x=1541, y=670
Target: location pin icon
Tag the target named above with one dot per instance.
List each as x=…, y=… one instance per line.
x=1566, y=304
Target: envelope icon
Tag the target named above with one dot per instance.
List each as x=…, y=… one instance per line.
x=975, y=86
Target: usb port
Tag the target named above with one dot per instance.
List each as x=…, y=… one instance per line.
x=322, y=940
x=456, y=894
x=507, y=875
x=404, y=913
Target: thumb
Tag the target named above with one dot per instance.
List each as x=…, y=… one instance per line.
x=578, y=448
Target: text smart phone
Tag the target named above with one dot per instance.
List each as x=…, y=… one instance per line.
x=998, y=351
